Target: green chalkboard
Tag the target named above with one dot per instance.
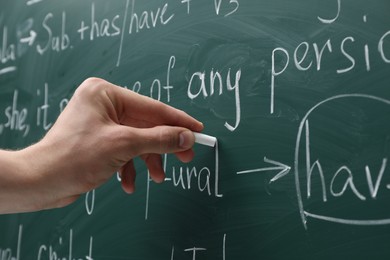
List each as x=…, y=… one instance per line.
x=296, y=91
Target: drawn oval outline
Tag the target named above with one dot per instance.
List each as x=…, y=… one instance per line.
x=304, y=214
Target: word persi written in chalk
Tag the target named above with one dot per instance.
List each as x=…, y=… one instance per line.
x=308, y=55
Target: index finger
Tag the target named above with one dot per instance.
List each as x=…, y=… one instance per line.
x=133, y=106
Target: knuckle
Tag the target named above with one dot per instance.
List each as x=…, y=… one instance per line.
x=90, y=86
x=168, y=140
x=128, y=141
x=93, y=81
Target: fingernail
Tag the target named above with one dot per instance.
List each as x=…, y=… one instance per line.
x=186, y=139
x=202, y=126
x=129, y=189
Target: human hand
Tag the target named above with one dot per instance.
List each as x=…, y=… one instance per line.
x=100, y=132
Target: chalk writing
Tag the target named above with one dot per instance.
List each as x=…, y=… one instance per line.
x=373, y=185
x=188, y=2
x=54, y=43
x=32, y=2
x=99, y=28
x=197, y=88
x=232, y=4
x=198, y=177
x=148, y=19
x=134, y=21
x=26, y=34
x=310, y=167
x=159, y=89
x=50, y=251
x=277, y=166
x=42, y=110
x=29, y=39
x=8, y=253
x=90, y=201
x=342, y=174
x=122, y=33
x=185, y=176
x=201, y=251
x=303, y=61
x=188, y=178
x=157, y=86
x=332, y=20
x=50, y=34
x=7, y=70
x=16, y=117
x=7, y=50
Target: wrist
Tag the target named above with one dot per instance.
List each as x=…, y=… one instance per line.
x=48, y=176
x=15, y=182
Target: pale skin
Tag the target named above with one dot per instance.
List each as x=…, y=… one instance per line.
x=99, y=133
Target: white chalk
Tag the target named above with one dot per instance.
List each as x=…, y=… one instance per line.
x=205, y=139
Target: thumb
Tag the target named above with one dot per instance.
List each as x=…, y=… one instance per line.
x=161, y=140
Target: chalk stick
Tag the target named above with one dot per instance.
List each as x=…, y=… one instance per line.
x=205, y=139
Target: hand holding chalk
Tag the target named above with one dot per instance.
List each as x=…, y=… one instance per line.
x=205, y=139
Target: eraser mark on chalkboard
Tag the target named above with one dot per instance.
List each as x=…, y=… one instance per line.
x=205, y=139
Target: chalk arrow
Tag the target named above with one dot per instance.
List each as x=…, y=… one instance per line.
x=277, y=166
x=30, y=39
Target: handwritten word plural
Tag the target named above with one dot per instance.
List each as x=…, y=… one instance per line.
x=187, y=177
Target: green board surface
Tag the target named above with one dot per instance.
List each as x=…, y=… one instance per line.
x=297, y=93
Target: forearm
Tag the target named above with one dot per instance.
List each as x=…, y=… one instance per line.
x=34, y=179
x=14, y=182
